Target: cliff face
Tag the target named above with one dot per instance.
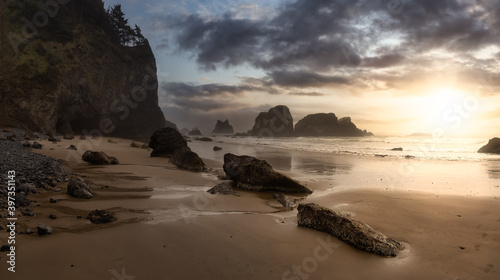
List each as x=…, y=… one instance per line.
x=327, y=125
x=62, y=69
x=277, y=122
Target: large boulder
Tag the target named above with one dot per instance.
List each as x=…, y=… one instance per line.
x=166, y=141
x=493, y=147
x=250, y=173
x=277, y=122
x=223, y=127
x=323, y=124
x=342, y=226
x=98, y=158
x=187, y=159
x=79, y=188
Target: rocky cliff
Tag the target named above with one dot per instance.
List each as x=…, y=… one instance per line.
x=323, y=124
x=223, y=127
x=63, y=69
x=277, y=122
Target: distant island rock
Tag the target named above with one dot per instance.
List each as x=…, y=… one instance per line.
x=194, y=132
x=327, y=124
x=493, y=147
x=223, y=127
x=76, y=75
x=276, y=122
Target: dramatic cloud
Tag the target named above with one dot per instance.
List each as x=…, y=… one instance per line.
x=304, y=79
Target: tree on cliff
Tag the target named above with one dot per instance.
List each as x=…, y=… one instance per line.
x=125, y=33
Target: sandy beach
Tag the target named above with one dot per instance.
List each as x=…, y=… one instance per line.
x=168, y=227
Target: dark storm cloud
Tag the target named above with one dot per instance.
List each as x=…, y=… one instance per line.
x=320, y=35
x=304, y=79
x=311, y=93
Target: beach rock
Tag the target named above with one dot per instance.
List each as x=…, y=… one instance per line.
x=79, y=188
x=29, y=231
x=166, y=141
x=277, y=122
x=194, y=132
x=493, y=146
x=42, y=229
x=68, y=136
x=100, y=217
x=250, y=173
x=71, y=147
x=409, y=157
x=98, y=158
x=187, y=159
x=52, y=216
x=37, y=145
x=323, y=124
x=5, y=248
x=27, y=212
x=285, y=200
x=26, y=188
x=52, y=138
x=217, y=148
x=204, y=139
x=223, y=127
x=223, y=188
x=397, y=149
x=342, y=226
x=27, y=144
x=134, y=145
x=52, y=200
x=111, y=141
x=22, y=200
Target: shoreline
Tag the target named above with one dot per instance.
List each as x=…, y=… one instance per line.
x=166, y=220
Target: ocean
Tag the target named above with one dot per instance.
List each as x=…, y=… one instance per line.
x=449, y=149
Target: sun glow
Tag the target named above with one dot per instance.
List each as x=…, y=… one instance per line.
x=451, y=110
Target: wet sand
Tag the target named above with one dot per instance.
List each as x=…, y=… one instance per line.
x=168, y=227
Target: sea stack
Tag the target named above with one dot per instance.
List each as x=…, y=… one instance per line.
x=223, y=127
x=277, y=122
x=323, y=124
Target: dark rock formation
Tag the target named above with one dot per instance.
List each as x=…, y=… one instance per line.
x=342, y=226
x=250, y=173
x=37, y=145
x=493, y=147
x=134, y=145
x=397, y=149
x=224, y=188
x=26, y=144
x=187, y=159
x=223, y=127
x=277, y=122
x=72, y=75
x=204, y=139
x=71, y=147
x=217, y=148
x=79, y=188
x=166, y=141
x=323, y=124
x=98, y=158
x=100, y=217
x=194, y=132
x=284, y=200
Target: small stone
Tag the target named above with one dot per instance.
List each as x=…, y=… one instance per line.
x=5, y=248
x=71, y=147
x=37, y=146
x=27, y=144
x=462, y=248
x=52, y=216
x=43, y=229
x=217, y=148
x=52, y=200
x=79, y=216
x=30, y=231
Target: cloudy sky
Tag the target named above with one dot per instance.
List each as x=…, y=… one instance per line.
x=395, y=67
